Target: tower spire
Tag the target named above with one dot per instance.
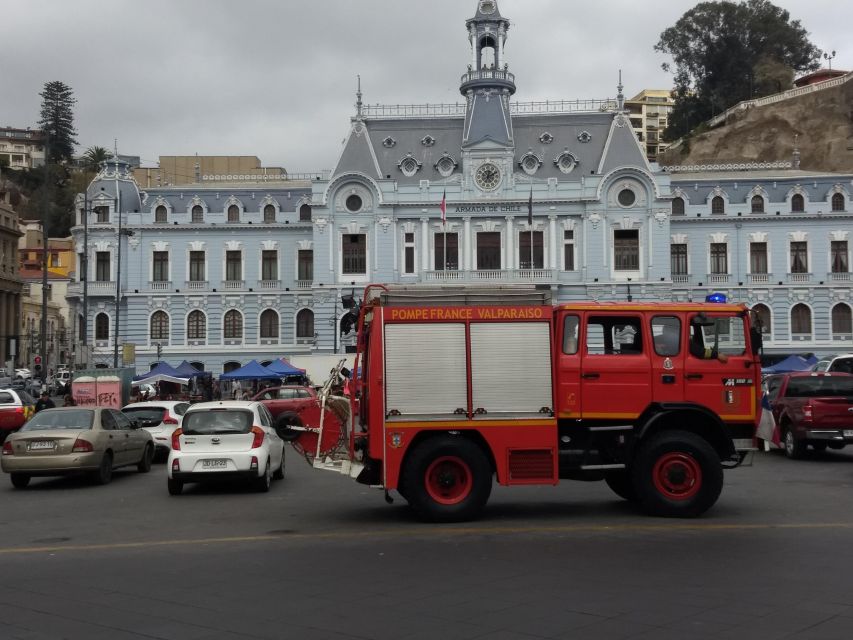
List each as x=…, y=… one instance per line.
x=359, y=105
x=620, y=97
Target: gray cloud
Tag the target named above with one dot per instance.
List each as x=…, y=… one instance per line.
x=277, y=79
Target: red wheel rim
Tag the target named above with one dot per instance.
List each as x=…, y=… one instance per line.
x=677, y=476
x=448, y=480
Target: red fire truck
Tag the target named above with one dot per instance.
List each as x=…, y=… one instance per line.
x=456, y=388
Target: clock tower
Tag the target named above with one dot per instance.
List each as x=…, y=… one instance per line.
x=488, y=145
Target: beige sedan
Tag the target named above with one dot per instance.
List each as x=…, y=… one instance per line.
x=70, y=440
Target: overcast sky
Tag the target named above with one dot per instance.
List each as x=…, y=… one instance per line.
x=277, y=78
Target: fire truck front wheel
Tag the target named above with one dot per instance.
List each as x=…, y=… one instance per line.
x=677, y=474
x=447, y=479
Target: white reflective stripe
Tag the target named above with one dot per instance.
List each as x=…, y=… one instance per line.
x=425, y=368
x=511, y=366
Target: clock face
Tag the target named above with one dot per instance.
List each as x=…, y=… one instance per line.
x=488, y=177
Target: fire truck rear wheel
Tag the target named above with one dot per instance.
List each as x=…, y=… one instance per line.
x=677, y=474
x=447, y=479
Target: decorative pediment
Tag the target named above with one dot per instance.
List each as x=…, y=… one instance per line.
x=269, y=200
x=838, y=236
x=627, y=222
x=569, y=224
x=838, y=188
x=798, y=236
x=797, y=189
x=195, y=201
x=196, y=245
x=448, y=227
x=408, y=227
x=719, y=238
x=490, y=226
x=233, y=245
x=103, y=245
x=159, y=245
x=269, y=245
x=678, y=238
x=232, y=201
x=718, y=191
x=679, y=193
x=305, y=245
x=352, y=227
x=160, y=201
x=758, y=236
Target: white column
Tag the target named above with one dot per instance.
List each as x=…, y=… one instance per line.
x=466, y=244
x=553, y=244
x=499, y=52
x=426, y=244
x=509, y=263
x=473, y=38
x=396, y=231
x=332, y=248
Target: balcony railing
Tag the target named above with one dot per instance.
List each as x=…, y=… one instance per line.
x=269, y=284
x=159, y=285
x=197, y=285
x=839, y=276
x=304, y=284
x=719, y=278
x=799, y=277
x=680, y=278
x=491, y=275
x=233, y=285
x=102, y=287
x=759, y=278
x=488, y=74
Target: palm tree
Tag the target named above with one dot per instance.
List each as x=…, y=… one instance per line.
x=94, y=156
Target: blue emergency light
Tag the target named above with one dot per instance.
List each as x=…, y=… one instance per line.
x=716, y=297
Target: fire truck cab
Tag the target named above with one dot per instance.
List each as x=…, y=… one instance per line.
x=457, y=389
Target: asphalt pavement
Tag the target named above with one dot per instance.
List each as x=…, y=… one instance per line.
x=323, y=557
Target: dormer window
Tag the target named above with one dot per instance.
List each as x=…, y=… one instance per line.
x=757, y=204
x=584, y=137
x=389, y=142
x=428, y=141
x=233, y=213
x=269, y=213
x=197, y=214
x=530, y=163
x=566, y=161
x=160, y=215
x=409, y=166
x=446, y=165
x=546, y=138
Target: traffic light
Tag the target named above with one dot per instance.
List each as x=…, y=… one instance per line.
x=37, y=361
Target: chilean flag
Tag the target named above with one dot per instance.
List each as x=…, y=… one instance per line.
x=443, y=206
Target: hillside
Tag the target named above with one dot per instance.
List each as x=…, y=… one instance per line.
x=822, y=120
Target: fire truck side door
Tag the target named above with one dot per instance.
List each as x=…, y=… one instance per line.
x=615, y=367
x=568, y=367
x=667, y=354
x=727, y=389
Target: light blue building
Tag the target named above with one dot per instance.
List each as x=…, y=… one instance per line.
x=223, y=273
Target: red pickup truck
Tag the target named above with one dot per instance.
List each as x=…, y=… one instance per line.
x=286, y=404
x=813, y=409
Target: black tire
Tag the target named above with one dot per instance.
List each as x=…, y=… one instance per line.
x=263, y=483
x=144, y=465
x=794, y=449
x=285, y=420
x=819, y=446
x=279, y=473
x=105, y=470
x=621, y=483
x=175, y=487
x=677, y=474
x=20, y=480
x=447, y=479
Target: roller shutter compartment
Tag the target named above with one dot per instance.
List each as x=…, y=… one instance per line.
x=510, y=368
x=425, y=370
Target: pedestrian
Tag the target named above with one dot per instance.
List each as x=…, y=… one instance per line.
x=69, y=401
x=44, y=402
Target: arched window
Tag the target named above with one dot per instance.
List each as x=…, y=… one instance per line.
x=198, y=366
x=196, y=325
x=718, y=205
x=305, y=213
x=305, y=324
x=197, y=213
x=801, y=320
x=763, y=318
x=160, y=214
x=798, y=203
x=757, y=204
x=269, y=213
x=233, y=322
x=233, y=213
x=269, y=324
x=842, y=319
x=838, y=202
x=678, y=207
x=228, y=367
x=102, y=327
x=160, y=326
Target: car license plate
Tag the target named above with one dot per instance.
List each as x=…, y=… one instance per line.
x=848, y=433
x=41, y=445
x=214, y=464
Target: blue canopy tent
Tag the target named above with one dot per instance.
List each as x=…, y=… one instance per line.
x=252, y=371
x=161, y=373
x=284, y=368
x=791, y=363
x=188, y=371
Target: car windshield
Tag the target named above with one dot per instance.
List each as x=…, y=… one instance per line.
x=820, y=387
x=216, y=421
x=149, y=414
x=26, y=398
x=60, y=419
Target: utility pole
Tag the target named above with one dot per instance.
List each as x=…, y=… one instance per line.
x=84, y=267
x=118, y=274
x=44, y=239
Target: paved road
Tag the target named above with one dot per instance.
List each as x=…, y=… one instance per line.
x=322, y=557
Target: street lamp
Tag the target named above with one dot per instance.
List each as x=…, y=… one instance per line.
x=829, y=57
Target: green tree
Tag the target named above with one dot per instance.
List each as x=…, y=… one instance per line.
x=94, y=156
x=57, y=121
x=725, y=52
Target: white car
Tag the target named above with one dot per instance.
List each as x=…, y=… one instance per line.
x=23, y=374
x=223, y=440
x=160, y=419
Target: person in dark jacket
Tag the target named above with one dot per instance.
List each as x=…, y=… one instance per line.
x=44, y=402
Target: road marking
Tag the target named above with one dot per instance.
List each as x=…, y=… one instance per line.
x=431, y=531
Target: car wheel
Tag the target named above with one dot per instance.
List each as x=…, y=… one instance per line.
x=175, y=487
x=20, y=480
x=144, y=465
x=621, y=483
x=447, y=479
x=262, y=484
x=105, y=471
x=794, y=449
x=677, y=474
x=279, y=473
x=819, y=446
